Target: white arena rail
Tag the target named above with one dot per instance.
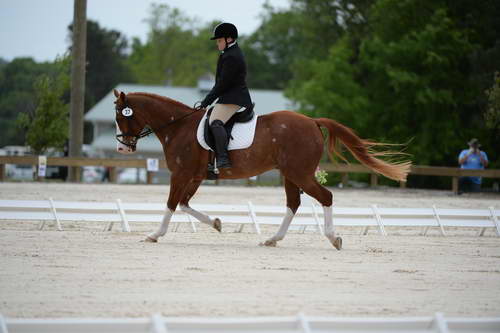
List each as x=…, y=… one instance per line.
x=309, y=215
x=300, y=323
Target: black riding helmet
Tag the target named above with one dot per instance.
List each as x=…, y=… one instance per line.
x=224, y=30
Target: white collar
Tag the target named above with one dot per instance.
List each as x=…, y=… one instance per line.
x=229, y=45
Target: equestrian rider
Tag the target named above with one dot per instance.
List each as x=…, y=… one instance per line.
x=230, y=88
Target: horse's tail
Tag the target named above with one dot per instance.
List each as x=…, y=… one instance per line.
x=362, y=150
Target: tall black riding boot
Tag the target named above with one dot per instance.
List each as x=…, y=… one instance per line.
x=221, y=141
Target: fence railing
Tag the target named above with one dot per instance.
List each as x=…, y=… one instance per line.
x=418, y=170
x=307, y=216
x=299, y=324
x=344, y=169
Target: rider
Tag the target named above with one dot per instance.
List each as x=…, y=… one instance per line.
x=230, y=88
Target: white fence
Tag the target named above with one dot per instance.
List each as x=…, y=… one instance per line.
x=300, y=323
x=309, y=216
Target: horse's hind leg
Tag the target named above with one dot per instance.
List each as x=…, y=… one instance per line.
x=184, y=204
x=325, y=197
x=292, y=203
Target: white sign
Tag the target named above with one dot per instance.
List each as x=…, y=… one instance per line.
x=153, y=164
x=42, y=166
x=127, y=112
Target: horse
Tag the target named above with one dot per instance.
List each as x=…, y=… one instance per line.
x=285, y=140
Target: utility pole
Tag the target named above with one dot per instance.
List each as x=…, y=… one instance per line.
x=78, y=52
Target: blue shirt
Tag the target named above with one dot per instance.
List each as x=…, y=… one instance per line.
x=473, y=162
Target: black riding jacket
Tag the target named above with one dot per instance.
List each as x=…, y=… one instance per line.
x=230, y=80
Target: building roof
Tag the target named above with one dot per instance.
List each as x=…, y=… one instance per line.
x=266, y=101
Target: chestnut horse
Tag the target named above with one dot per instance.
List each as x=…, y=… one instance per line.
x=284, y=140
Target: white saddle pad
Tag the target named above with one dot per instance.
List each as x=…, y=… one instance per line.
x=243, y=134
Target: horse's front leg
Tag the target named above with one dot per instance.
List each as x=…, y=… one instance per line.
x=184, y=204
x=178, y=187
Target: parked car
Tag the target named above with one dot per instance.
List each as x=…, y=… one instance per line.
x=92, y=174
x=132, y=175
x=19, y=172
x=13, y=171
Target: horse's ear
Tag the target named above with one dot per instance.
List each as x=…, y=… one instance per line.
x=116, y=93
x=122, y=96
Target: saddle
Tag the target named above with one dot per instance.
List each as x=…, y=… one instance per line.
x=206, y=139
x=239, y=117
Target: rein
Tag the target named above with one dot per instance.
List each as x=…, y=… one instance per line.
x=145, y=132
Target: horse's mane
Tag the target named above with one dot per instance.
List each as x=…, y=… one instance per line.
x=161, y=98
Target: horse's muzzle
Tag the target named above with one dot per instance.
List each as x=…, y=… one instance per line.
x=124, y=147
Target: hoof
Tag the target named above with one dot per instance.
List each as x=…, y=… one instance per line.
x=218, y=225
x=149, y=240
x=337, y=243
x=269, y=242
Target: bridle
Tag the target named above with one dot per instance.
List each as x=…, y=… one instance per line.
x=146, y=131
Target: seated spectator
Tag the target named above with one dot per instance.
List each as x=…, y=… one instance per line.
x=471, y=158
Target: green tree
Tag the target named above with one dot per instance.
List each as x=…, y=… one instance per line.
x=414, y=67
x=271, y=49
x=17, y=95
x=492, y=117
x=177, y=51
x=47, y=125
x=405, y=78
x=279, y=51
x=332, y=90
x=396, y=70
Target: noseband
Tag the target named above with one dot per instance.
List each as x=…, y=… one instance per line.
x=133, y=142
x=144, y=132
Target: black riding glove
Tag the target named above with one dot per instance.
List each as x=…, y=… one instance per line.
x=199, y=105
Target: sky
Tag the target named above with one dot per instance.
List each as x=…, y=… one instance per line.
x=39, y=28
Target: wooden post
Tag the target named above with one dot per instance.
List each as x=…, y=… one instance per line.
x=2, y=172
x=112, y=175
x=454, y=185
x=78, y=52
x=373, y=180
x=78, y=174
x=150, y=177
x=345, y=179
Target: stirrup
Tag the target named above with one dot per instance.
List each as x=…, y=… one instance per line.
x=211, y=172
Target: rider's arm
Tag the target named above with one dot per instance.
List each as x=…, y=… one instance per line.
x=483, y=158
x=463, y=156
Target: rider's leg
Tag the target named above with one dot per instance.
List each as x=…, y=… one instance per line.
x=220, y=115
x=223, y=112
